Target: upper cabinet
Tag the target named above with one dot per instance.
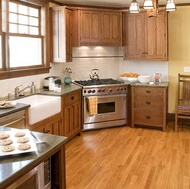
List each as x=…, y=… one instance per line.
x=89, y=27
x=62, y=22
x=99, y=27
x=145, y=37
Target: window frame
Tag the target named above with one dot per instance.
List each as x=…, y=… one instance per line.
x=7, y=72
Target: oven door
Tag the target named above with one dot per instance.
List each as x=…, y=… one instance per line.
x=110, y=107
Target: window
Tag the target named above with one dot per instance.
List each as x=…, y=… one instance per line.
x=25, y=33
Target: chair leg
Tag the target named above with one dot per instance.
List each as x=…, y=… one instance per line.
x=176, y=122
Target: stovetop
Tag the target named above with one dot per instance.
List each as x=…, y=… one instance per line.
x=108, y=81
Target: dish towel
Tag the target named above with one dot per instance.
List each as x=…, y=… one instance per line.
x=92, y=105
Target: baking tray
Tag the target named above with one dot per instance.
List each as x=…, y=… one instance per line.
x=12, y=132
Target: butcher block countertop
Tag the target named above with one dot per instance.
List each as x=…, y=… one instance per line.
x=12, y=167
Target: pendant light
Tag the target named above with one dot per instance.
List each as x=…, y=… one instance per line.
x=170, y=5
x=148, y=4
x=134, y=7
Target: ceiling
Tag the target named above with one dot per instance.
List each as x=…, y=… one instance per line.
x=112, y=3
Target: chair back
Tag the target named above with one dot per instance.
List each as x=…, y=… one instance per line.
x=183, y=88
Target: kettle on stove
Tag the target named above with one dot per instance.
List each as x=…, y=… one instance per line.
x=94, y=74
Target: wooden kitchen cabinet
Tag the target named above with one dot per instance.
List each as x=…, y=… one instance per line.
x=62, y=25
x=71, y=114
x=146, y=37
x=100, y=27
x=90, y=27
x=15, y=120
x=134, y=29
x=51, y=125
x=149, y=106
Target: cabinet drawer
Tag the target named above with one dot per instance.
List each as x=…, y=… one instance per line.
x=72, y=97
x=148, y=91
x=148, y=118
x=148, y=103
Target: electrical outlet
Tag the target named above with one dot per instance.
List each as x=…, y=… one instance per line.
x=186, y=69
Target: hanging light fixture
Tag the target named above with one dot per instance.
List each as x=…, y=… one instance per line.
x=134, y=7
x=170, y=5
x=148, y=4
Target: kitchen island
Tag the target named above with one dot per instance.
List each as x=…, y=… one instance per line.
x=14, y=167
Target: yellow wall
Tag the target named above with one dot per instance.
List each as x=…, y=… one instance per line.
x=179, y=49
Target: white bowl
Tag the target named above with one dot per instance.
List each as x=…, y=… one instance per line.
x=132, y=79
x=125, y=79
x=144, y=79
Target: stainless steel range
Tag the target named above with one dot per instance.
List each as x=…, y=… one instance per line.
x=104, y=103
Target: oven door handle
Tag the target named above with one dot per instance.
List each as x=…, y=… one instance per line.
x=107, y=96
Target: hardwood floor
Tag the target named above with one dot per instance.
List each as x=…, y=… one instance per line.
x=129, y=158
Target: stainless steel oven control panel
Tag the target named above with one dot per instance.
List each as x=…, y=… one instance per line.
x=105, y=90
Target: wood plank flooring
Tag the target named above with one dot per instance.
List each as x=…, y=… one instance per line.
x=129, y=158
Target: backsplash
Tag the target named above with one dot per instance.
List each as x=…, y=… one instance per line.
x=145, y=68
x=109, y=61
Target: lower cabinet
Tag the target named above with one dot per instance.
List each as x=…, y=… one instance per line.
x=149, y=106
x=32, y=180
x=71, y=114
x=15, y=120
x=51, y=125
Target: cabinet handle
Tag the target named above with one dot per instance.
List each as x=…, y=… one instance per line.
x=148, y=103
x=148, y=91
x=148, y=117
x=72, y=98
x=46, y=131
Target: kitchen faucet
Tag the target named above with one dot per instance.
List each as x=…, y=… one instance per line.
x=18, y=91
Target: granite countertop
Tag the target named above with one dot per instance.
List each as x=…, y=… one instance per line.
x=64, y=90
x=18, y=107
x=13, y=166
x=163, y=84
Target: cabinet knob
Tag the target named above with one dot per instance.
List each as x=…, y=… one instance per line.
x=72, y=98
x=148, y=117
x=46, y=131
x=148, y=103
x=148, y=91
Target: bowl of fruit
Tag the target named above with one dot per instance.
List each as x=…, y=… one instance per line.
x=129, y=77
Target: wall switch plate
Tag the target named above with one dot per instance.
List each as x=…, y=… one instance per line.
x=186, y=69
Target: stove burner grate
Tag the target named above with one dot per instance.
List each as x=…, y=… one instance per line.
x=98, y=82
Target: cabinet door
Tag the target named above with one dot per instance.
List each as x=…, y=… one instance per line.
x=68, y=121
x=156, y=37
x=111, y=28
x=134, y=26
x=72, y=119
x=56, y=126
x=44, y=129
x=90, y=27
x=61, y=34
x=77, y=117
x=68, y=35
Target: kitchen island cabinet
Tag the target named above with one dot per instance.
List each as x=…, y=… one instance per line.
x=71, y=114
x=146, y=37
x=149, y=106
x=15, y=167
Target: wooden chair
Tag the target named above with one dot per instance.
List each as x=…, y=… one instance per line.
x=183, y=103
